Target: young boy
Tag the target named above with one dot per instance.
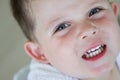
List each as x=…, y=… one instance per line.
x=70, y=39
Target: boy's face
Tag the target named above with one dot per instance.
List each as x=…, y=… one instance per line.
x=67, y=30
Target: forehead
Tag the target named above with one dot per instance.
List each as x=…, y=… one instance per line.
x=50, y=4
x=56, y=4
x=50, y=8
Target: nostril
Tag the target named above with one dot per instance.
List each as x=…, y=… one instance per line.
x=94, y=32
x=84, y=37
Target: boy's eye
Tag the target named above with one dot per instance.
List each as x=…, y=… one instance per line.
x=94, y=11
x=62, y=26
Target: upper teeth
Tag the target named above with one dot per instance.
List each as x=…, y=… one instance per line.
x=95, y=51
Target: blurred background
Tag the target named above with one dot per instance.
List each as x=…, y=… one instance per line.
x=12, y=54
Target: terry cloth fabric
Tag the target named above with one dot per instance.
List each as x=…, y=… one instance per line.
x=46, y=72
x=40, y=71
x=118, y=61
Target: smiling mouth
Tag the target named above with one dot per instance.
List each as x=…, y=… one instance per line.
x=95, y=53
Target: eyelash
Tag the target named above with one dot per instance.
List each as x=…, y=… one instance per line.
x=94, y=11
x=64, y=25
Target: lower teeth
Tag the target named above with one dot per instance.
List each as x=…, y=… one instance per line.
x=91, y=55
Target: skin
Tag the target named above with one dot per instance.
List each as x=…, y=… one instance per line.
x=63, y=48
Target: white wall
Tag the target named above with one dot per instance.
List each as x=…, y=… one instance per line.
x=12, y=55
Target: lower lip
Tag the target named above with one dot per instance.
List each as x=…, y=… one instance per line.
x=96, y=57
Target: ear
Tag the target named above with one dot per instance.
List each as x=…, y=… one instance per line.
x=33, y=50
x=115, y=8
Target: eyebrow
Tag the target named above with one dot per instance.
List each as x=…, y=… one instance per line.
x=60, y=17
x=56, y=19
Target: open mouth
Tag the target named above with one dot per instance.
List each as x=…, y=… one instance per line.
x=95, y=53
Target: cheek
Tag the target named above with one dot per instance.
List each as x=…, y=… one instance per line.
x=67, y=41
x=105, y=21
x=54, y=49
x=108, y=24
x=110, y=31
x=59, y=47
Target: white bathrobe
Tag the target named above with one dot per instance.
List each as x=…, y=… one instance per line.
x=46, y=72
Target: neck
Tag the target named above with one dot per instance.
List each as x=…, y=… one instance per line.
x=114, y=74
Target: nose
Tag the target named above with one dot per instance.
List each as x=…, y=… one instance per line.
x=88, y=31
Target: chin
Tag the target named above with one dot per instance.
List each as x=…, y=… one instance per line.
x=98, y=74
x=105, y=69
